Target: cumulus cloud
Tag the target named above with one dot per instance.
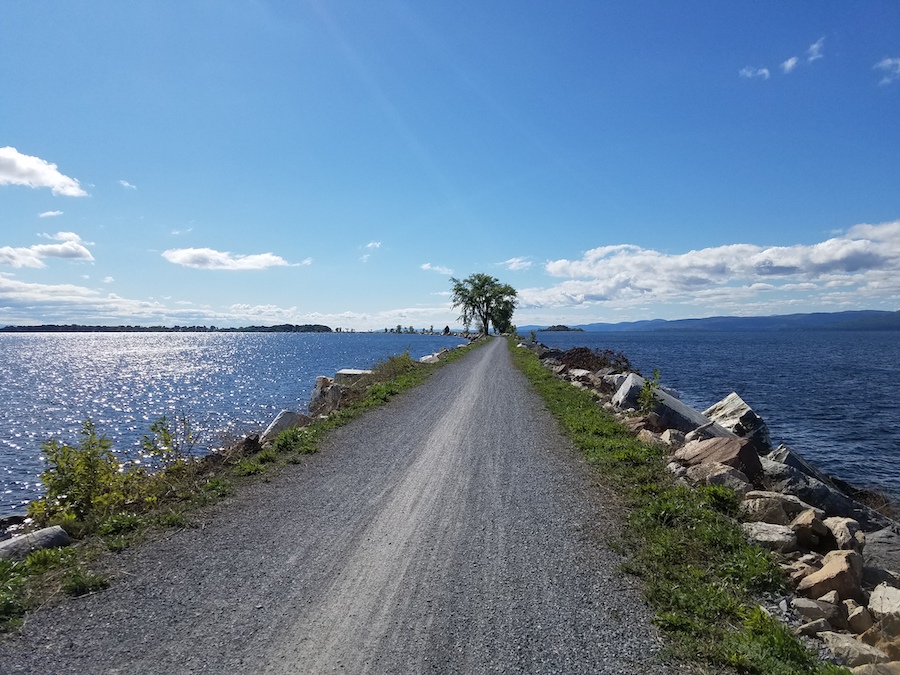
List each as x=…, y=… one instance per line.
x=752, y=73
x=891, y=68
x=865, y=259
x=49, y=214
x=70, y=246
x=516, y=264
x=816, y=50
x=34, y=172
x=210, y=259
x=126, y=184
x=789, y=65
x=436, y=268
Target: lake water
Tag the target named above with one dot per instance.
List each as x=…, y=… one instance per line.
x=831, y=396
x=227, y=384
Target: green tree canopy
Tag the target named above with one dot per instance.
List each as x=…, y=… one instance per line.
x=484, y=301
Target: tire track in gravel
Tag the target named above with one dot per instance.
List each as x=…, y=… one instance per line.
x=452, y=531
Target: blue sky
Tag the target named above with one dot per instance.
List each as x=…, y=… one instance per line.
x=234, y=163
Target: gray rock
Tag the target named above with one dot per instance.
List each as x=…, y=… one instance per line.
x=851, y=652
x=846, y=532
x=784, y=455
x=883, y=548
x=673, y=413
x=326, y=396
x=350, y=375
x=738, y=417
x=715, y=473
x=18, y=548
x=814, y=627
x=735, y=452
x=286, y=419
x=786, y=479
x=778, y=538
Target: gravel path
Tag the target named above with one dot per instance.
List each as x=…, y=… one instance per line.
x=452, y=531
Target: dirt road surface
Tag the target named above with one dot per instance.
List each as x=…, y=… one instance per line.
x=452, y=531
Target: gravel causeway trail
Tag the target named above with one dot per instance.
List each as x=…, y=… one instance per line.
x=454, y=530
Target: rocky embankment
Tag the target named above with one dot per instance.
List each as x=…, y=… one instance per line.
x=841, y=558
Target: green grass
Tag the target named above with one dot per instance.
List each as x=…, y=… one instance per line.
x=700, y=575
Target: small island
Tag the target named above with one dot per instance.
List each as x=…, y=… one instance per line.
x=561, y=329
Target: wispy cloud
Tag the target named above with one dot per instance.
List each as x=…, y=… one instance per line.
x=752, y=73
x=34, y=172
x=373, y=244
x=436, y=268
x=865, y=261
x=891, y=68
x=49, y=214
x=127, y=185
x=210, y=259
x=70, y=247
x=108, y=280
x=816, y=50
x=178, y=233
x=516, y=264
x=789, y=65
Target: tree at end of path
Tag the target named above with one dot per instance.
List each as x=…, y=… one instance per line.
x=484, y=301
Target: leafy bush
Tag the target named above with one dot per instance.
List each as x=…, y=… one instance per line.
x=647, y=398
x=169, y=441
x=76, y=477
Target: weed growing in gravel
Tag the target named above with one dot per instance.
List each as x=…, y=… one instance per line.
x=80, y=581
x=699, y=572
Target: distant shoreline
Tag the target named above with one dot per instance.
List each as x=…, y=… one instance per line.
x=74, y=328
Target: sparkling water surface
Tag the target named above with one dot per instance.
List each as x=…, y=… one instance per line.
x=830, y=395
x=226, y=384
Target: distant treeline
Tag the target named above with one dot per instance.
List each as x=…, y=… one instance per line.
x=73, y=328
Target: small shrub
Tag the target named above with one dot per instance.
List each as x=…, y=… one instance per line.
x=647, y=398
x=120, y=523
x=267, y=456
x=297, y=439
x=46, y=559
x=76, y=477
x=218, y=487
x=248, y=467
x=80, y=581
x=169, y=441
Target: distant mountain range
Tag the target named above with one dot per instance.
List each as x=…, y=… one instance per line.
x=857, y=320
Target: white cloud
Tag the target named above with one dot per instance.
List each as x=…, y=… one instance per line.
x=751, y=73
x=306, y=262
x=365, y=258
x=34, y=172
x=71, y=247
x=866, y=260
x=49, y=214
x=891, y=67
x=436, y=268
x=516, y=264
x=816, y=50
x=178, y=233
x=789, y=65
x=108, y=280
x=373, y=244
x=126, y=184
x=210, y=259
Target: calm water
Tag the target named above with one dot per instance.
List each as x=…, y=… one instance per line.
x=831, y=396
x=227, y=384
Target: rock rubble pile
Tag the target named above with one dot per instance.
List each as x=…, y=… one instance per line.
x=841, y=558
